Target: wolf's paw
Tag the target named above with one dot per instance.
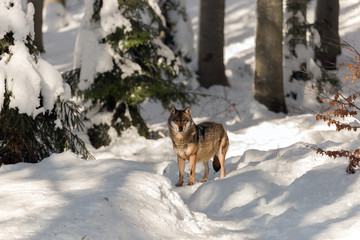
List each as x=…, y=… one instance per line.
x=203, y=180
x=190, y=183
x=179, y=184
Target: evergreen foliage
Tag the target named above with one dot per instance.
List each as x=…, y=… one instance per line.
x=36, y=134
x=299, y=55
x=142, y=66
x=27, y=139
x=296, y=35
x=178, y=32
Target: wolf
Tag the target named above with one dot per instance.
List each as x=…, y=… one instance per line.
x=197, y=143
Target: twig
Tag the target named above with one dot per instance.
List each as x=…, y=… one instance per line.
x=232, y=105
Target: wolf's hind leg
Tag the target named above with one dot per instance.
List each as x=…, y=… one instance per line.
x=206, y=171
x=222, y=154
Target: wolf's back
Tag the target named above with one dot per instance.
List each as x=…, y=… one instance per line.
x=210, y=135
x=208, y=132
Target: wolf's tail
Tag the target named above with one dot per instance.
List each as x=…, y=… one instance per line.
x=216, y=164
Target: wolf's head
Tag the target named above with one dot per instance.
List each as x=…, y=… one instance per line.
x=180, y=120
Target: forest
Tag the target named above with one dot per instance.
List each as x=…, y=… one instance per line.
x=86, y=88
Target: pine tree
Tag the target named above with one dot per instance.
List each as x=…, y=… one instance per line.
x=302, y=72
x=296, y=37
x=178, y=35
x=36, y=117
x=296, y=50
x=122, y=61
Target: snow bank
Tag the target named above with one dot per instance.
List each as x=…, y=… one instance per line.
x=277, y=188
x=64, y=197
x=274, y=194
x=284, y=193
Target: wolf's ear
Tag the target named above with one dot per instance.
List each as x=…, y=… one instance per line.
x=173, y=110
x=188, y=110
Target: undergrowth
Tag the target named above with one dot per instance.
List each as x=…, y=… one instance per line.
x=340, y=108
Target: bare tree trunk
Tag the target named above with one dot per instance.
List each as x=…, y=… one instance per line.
x=211, y=43
x=268, y=82
x=38, y=20
x=327, y=18
x=59, y=1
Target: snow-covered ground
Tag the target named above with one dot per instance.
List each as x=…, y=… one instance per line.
x=276, y=187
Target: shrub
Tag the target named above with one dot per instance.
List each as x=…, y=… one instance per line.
x=342, y=107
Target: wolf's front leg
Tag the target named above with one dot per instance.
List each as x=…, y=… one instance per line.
x=192, y=169
x=181, y=163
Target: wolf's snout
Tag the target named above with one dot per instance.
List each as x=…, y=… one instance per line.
x=180, y=129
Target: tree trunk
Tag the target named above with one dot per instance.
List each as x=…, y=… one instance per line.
x=38, y=20
x=268, y=82
x=59, y=1
x=327, y=18
x=211, y=43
